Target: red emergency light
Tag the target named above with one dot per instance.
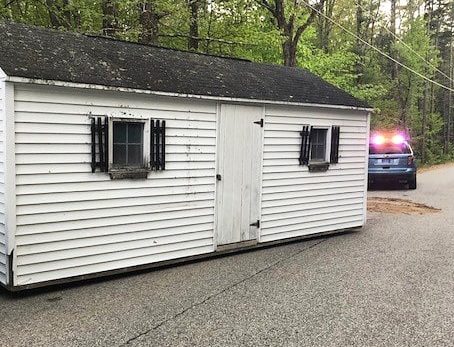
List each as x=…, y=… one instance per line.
x=380, y=139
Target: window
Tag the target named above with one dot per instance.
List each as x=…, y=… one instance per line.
x=128, y=144
x=127, y=148
x=390, y=149
x=316, y=152
x=318, y=144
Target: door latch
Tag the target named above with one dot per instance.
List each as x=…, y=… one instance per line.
x=256, y=224
x=259, y=122
x=218, y=177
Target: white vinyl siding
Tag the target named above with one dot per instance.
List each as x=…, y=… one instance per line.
x=3, y=252
x=72, y=222
x=296, y=202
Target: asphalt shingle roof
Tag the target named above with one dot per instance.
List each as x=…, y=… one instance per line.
x=38, y=53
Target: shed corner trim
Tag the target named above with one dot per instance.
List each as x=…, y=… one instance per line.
x=3, y=76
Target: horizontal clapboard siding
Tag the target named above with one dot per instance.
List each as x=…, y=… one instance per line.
x=3, y=267
x=296, y=202
x=71, y=222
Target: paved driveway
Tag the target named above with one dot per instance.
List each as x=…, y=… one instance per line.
x=389, y=285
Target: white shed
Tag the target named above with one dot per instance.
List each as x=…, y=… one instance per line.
x=117, y=156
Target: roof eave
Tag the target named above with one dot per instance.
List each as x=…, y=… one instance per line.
x=17, y=79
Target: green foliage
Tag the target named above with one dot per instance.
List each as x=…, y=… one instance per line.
x=246, y=29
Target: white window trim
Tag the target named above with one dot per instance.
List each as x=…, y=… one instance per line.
x=146, y=141
x=327, y=146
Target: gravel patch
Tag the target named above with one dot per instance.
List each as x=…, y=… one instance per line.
x=399, y=206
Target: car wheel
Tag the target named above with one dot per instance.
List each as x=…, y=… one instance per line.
x=412, y=183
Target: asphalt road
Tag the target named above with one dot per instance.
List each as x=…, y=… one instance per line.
x=391, y=284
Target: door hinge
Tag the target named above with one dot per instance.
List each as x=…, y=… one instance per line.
x=10, y=270
x=259, y=122
x=256, y=224
x=218, y=177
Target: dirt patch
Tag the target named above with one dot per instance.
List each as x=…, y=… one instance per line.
x=434, y=167
x=398, y=206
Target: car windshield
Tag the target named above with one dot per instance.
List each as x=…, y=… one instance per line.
x=390, y=148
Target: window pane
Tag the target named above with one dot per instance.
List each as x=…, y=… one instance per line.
x=119, y=132
x=119, y=154
x=135, y=131
x=389, y=149
x=135, y=155
x=319, y=153
x=318, y=147
x=322, y=136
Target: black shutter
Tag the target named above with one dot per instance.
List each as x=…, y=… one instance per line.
x=157, y=144
x=335, y=135
x=157, y=130
x=93, y=145
x=305, y=145
x=106, y=141
x=99, y=144
x=163, y=145
x=152, y=145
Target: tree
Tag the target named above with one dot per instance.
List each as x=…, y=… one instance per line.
x=395, y=67
x=193, y=39
x=109, y=17
x=359, y=46
x=324, y=25
x=288, y=20
x=149, y=19
x=417, y=33
x=59, y=13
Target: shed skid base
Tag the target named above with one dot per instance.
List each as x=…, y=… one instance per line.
x=220, y=251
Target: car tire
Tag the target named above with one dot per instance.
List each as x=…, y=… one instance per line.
x=412, y=183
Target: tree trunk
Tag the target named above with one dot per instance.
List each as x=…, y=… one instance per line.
x=289, y=51
x=149, y=22
x=424, y=122
x=324, y=25
x=394, y=68
x=193, y=41
x=451, y=85
x=67, y=15
x=359, y=45
x=59, y=14
x=210, y=22
x=109, y=18
x=52, y=9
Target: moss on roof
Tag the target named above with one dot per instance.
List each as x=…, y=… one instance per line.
x=38, y=53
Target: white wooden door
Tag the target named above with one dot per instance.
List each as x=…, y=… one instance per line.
x=239, y=173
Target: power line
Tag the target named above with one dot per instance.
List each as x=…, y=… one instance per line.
x=411, y=49
x=377, y=49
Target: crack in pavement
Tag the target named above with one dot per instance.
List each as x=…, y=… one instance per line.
x=216, y=294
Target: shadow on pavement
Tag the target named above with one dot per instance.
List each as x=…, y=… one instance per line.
x=388, y=186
